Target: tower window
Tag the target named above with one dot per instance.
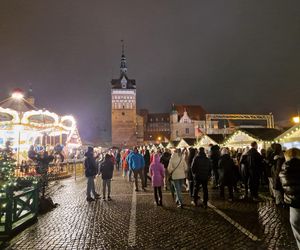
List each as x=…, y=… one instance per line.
x=123, y=113
x=187, y=131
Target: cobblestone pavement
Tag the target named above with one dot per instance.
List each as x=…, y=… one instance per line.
x=132, y=221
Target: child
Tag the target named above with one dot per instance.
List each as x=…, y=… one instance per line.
x=106, y=170
x=157, y=173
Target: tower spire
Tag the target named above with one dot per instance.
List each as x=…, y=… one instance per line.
x=123, y=68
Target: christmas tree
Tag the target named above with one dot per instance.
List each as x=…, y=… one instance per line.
x=7, y=168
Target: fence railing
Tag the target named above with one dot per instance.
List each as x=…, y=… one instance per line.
x=56, y=170
x=17, y=208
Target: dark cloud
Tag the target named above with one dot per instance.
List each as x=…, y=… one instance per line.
x=228, y=56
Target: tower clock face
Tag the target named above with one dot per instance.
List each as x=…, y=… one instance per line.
x=124, y=82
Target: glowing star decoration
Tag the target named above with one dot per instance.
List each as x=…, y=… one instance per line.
x=17, y=95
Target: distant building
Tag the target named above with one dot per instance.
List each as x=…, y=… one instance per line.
x=156, y=126
x=188, y=121
x=123, y=113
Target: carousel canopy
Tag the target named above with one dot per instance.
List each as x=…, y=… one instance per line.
x=18, y=104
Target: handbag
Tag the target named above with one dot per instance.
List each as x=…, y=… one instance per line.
x=170, y=175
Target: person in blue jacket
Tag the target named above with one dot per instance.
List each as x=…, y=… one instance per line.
x=136, y=164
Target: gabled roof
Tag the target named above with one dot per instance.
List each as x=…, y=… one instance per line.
x=289, y=132
x=218, y=138
x=190, y=141
x=195, y=112
x=19, y=105
x=265, y=134
x=158, y=117
x=116, y=83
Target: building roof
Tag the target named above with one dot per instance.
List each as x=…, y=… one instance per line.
x=190, y=141
x=158, y=117
x=218, y=138
x=20, y=105
x=265, y=134
x=117, y=84
x=195, y=112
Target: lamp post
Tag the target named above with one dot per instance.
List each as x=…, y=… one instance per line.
x=18, y=95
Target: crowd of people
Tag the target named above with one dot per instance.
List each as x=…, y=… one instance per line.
x=242, y=171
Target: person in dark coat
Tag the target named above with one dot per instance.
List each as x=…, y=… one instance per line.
x=276, y=168
x=214, y=158
x=147, y=164
x=106, y=171
x=43, y=160
x=226, y=173
x=164, y=159
x=191, y=156
x=255, y=164
x=201, y=169
x=289, y=177
x=244, y=171
x=90, y=167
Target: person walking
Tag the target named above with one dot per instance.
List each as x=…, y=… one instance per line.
x=147, y=164
x=136, y=164
x=157, y=173
x=164, y=159
x=90, y=167
x=106, y=171
x=118, y=159
x=190, y=178
x=289, y=177
x=177, y=168
x=201, y=169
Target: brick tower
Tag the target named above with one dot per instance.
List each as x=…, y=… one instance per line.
x=123, y=108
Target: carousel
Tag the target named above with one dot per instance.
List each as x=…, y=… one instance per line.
x=23, y=125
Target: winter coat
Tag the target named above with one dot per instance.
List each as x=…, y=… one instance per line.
x=135, y=161
x=226, y=170
x=201, y=167
x=107, y=169
x=147, y=159
x=124, y=161
x=177, y=166
x=90, y=165
x=165, y=158
x=157, y=172
x=289, y=177
x=254, y=161
x=276, y=168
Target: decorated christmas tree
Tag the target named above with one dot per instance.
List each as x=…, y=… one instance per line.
x=7, y=168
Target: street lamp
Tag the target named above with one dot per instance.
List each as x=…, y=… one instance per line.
x=296, y=119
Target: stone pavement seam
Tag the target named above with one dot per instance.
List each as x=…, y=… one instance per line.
x=132, y=221
x=234, y=223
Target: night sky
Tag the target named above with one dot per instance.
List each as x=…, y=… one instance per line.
x=228, y=56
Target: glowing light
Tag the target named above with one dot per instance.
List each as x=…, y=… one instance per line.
x=296, y=119
x=17, y=95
